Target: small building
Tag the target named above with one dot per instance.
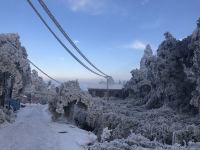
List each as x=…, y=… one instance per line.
x=118, y=93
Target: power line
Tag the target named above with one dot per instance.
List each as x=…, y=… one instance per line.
x=64, y=46
x=11, y=44
x=44, y=6
x=44, y=72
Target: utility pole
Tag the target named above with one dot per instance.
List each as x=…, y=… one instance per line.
x=107, y=78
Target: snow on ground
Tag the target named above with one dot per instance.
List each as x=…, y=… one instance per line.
x=34, y=130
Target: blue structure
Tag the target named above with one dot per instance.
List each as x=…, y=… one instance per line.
x=13, y=104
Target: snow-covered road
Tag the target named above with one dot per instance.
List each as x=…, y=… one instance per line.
x=34, y=130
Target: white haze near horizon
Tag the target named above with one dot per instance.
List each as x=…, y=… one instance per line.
x=91, y=83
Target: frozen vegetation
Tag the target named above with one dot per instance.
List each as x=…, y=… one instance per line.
x=69, y=98
x=38, y=91
x=162, y=107
x=15, y=72
x=33, y=128
x=161, y=110
x=13, y=63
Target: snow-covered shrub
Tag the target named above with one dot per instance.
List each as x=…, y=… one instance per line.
x=183, y=136
x=6, y=115
x=123, y=118
x=106, y=134
x=2, y=116
x=38, y=89
x=135, y=142
x=70, y=99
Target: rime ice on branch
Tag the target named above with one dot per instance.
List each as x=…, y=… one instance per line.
x=13, y=61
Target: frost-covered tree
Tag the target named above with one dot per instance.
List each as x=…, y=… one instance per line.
x=38, y=89
x=148, y=53
x=14, y=63
x=69, y=95
x=15, y=71
x=194, y=71
x=139, y=85
x=172, y=76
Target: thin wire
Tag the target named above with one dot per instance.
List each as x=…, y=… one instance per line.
x=64, y=46
x=44, y=6
x=44, y=72
x=34, y=64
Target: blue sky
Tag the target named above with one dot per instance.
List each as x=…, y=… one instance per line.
x=111, y=33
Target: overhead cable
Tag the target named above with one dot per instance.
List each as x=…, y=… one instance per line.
x=44, y=6
x=11, y=44
x=64, y=46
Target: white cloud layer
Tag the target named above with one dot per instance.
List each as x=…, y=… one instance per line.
x=96, y=7
x=140, y=45
x=91, y=6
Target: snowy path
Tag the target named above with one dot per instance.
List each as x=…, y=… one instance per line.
x=33, y=130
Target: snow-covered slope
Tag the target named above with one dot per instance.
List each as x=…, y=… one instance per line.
x=34, y=130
